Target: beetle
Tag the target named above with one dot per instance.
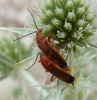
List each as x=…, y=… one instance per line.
x=47, y=48
x=55, y=69
x=51, y=59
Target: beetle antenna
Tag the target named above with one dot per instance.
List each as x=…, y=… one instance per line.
x=34, y=61
x=25, y=35
x=33, y=19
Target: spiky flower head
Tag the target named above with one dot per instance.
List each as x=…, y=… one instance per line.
x=72, y=22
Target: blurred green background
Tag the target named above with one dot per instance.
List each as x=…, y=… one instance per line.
x=13, y=14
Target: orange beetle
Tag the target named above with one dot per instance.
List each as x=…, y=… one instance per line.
x=51, y=53
x=48, y=49
x=55, y=69
x=51, y=59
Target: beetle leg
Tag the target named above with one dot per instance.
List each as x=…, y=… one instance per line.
x=58, y=47
x=61, y=46
x=46, y=71
x=53, y=78
x=49, y=36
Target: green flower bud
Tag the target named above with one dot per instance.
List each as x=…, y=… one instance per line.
x=61, y=34
x=86, y=5
x=44, y=19
x=47, y=29
x=67, y=26
x=80, y=11
x=69, y=5
x=56, y=22
x=60, y=13
x=80, y=23
x=71, y=17
x=77, y=35
x=49, y=13
x=49, y=4
x=90, y=17
x=69, y=46
x=76, y=2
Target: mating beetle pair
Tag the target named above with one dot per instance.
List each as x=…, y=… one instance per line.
x=51, y=59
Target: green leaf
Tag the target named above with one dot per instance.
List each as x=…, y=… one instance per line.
x=62, y=93
x=73, y=94
x=19, y=46
x=86, y=61
x=92, y=76
x=50, y=96
x=45, y=86
x=59, y=88
x=23, y=61
x=4, y=59
x=85, y=97
x=29, y=52
x=70, y=58
x=18, y=30
x=91, y=85
x=93, y=47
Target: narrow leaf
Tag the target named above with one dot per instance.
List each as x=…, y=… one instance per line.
x=4, y=59
x=92, y=76
x=19, y=49
x=50, y=96
x=85, y=97
x=23, y=61
x=86, y=61
x=73, y=94
x=45, y=86
x=17, y=30
x=59, y=88
x=93, y=47
x=91, y=85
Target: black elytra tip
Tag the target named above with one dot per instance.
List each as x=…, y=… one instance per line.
x=71, y=80
x=72, y=84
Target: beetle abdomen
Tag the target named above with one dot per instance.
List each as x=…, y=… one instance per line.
x=55, y=69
